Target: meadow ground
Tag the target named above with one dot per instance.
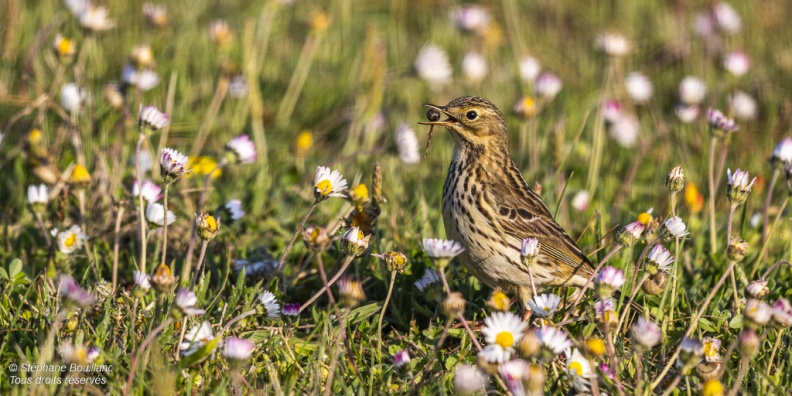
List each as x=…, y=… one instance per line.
x=602, y=101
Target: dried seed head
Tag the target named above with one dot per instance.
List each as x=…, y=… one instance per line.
x=453, y=306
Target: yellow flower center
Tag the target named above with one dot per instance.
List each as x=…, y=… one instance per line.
x=576, y=368
x=35, y=136
x=712, y=388
x=315, y=234
x=500, y=300
x=64, y=47
x=304, y=141
x=210, y=223
x=644, y=218
x=596, y=346
x=162, y=270
x=81, y=355
x=80, y=174
x=504, y=339
x=70, y=240
x=324, y=187
x=361, y=192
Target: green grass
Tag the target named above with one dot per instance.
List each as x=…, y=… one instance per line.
x=363, y=66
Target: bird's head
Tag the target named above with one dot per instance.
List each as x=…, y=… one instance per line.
x=473, y=121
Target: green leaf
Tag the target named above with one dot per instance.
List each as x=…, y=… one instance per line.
x=736, y=322
x=363, y=312
x=15, y=267
x=707, y=325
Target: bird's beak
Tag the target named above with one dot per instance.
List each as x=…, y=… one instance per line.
x=442, y=109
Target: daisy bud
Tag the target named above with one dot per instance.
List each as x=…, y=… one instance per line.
x=514, y=374
x=206, y=226
x=453, y=306
x=782, y=313
x=757, y=289
x=749, y=343
x=354, y=243
x=631, y=233
x=530, y=346
x=499, y=301
x=757, y=312
x=646, y=334
x=162, y=279
x=529, y=251
x=547, y=86
x=401, y=359
x=315, y=238
x=713, y=387
x=606, y=312
x=720, y=124
x=350, y=291
x=782, y=154
x=737, y=249
x=156, y=216
x=37, y=197
x=291, y=309
x=394, y=261
x=739, y=186
x=142, y=283
x=675, y=181
x=271, y=305
x=659, y=259
x=553, y=342
x=593, y=347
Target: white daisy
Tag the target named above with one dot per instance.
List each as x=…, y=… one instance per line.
x=614, y=44
x=38, y=195
x=151, y=191
x=441, y=248
x=407, y=144
x=234, y=208
x=692, y=90
x=328, y=183
x=72, y=97
x=675, y=227
x=719, y=121
x=474, y=67
x=659, y=259
x=544, y=305
x=145, y=79
x=645, y=333
x=152, y=118
x=547, y=86
x=185, y=300
x=757, y=288
x=611, y=277
x=196, y=338
x=472, y=18
x=432, y=66
x=625, y=130
x=142, y=280
x=469, y=380
x=530, y=69
x=155, y=214
x=78, y=353
x=758, y=312
x=69, y=240
x=95, y=18
x=238, y=349
x=579, y=370
x=243, y=148
x=782, y=313
x=737, y=63
x=173, y=164
x=727, y=18
x=354, y=242
x=429, y=278
x=710, y=347
x=552, y=340
x=639, y=87
x=502, y=332
x=271, y=305
x=743, y=106
x=687, y=113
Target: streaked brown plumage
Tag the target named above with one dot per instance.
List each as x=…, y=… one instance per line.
x=489, y=208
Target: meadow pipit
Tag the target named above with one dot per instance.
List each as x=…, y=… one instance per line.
x=489, y=208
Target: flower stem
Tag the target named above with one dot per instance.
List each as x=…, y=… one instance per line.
x=461, y=316
x=164, y=221
x=116, y=244
x=766, y=244
x=711, y=178
x=384, y=307
x=141, y=212
x=198, y=267
x=294, y=237
x=43, y=229
x=768, y=201
x=327, y=286
x=201, y=202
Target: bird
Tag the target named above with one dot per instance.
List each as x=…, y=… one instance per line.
x=489, y=208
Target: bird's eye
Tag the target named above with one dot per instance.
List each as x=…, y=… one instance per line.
x=471, y=115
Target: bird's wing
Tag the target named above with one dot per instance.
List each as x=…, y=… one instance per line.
x=523, y=214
